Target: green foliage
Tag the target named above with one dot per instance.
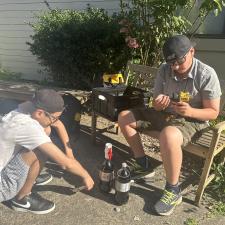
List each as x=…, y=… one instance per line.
x=218, y=184
x=219, y=119
x=147, y=24
x=218, y=209
x=7, y=75
x=77, y=47
x=191, y=221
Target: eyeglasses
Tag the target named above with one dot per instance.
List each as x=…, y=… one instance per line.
x=51, y=117
x=178, y=61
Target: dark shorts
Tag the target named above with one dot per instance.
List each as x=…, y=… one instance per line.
x=150, y=119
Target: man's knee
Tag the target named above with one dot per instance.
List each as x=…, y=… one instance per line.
x=171, y=134
x=28, y=157
x=126, y=117
x=31, y=157
x=41, y=157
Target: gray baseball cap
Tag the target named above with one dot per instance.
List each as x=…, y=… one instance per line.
x=176, y=47
x=48, y=100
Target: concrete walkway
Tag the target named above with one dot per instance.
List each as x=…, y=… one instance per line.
x=95, y=208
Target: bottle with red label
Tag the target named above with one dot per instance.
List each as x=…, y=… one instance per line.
x=106, y=173
x=122, y=185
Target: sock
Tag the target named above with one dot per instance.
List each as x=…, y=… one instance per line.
x=143, y=161
x=174, y=188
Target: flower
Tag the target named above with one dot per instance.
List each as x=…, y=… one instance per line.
x=131, y=42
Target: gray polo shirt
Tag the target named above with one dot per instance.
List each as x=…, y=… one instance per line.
x=202, y=83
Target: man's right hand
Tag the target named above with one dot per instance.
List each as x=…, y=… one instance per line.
x=88, y=182
x=161, y=102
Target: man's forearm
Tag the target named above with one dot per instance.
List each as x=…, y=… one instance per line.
x=77, y=169
x=69, y=151
x=70, y=164
x=204, y=114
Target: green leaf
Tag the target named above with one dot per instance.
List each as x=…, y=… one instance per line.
x=216, y=12
x=219, y=5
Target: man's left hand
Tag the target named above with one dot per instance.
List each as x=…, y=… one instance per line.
x=182, y=108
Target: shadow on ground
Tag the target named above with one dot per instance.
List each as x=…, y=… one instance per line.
x=91, y=157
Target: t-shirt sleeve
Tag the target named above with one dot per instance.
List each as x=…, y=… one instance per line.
x=31, y=135
x=211, y=88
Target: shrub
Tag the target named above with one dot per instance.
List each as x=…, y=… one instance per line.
x=217, y=187
x=147, y=24
x=77, y=47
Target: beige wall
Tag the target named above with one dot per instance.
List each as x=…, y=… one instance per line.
x=212, y=52
x=15, y=31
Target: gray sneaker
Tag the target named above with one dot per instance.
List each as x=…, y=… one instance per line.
x=139, y=172
x=167, y=203
x=33, y=203
x=43, y=179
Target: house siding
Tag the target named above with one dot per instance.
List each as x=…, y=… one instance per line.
x=15, y=31
x=212, y=52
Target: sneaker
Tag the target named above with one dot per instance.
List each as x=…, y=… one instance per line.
x=43, y=179
x=139, y=172
x=33, y=203
x=167, y=203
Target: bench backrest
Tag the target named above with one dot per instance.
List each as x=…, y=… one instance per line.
x=140, y=76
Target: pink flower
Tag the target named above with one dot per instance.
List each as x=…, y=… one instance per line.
x=131, y=42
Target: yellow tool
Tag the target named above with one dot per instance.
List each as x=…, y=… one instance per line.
x=116, y=78
x=183, y=96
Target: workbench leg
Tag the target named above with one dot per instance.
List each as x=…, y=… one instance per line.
x=93, y=127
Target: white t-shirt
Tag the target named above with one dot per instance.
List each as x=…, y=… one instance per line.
x=18, y=130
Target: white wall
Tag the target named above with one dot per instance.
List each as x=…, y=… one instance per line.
x=212, y=52
x=15, y=31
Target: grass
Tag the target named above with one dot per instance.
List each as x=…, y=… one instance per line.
x=7, y=75
x=217, y=186
x=191, y=221
x=218, y=209
x=217, y=190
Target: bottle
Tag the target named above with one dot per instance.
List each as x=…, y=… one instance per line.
x=106, y=173
x=122, y=185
